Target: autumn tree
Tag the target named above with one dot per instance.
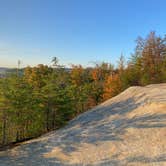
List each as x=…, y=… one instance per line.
x=151, y=52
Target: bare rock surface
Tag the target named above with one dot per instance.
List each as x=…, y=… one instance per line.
x=127, y=130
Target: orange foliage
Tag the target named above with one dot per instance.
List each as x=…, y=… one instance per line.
x=77, y=75
x=112, y=86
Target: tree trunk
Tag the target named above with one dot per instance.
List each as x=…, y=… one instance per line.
x=4, y=131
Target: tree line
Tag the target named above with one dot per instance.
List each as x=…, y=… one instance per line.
x=39, y=99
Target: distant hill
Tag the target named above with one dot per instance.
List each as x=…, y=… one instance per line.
x=3, y=69
x=129, y=129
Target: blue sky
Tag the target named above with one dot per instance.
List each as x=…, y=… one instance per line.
x=75, y=31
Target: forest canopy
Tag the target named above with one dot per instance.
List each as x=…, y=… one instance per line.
x=35, y=100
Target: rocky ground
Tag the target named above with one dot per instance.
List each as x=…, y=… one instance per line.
x=127, y=130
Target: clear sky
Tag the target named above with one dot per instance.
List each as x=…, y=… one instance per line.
x=75, y=31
